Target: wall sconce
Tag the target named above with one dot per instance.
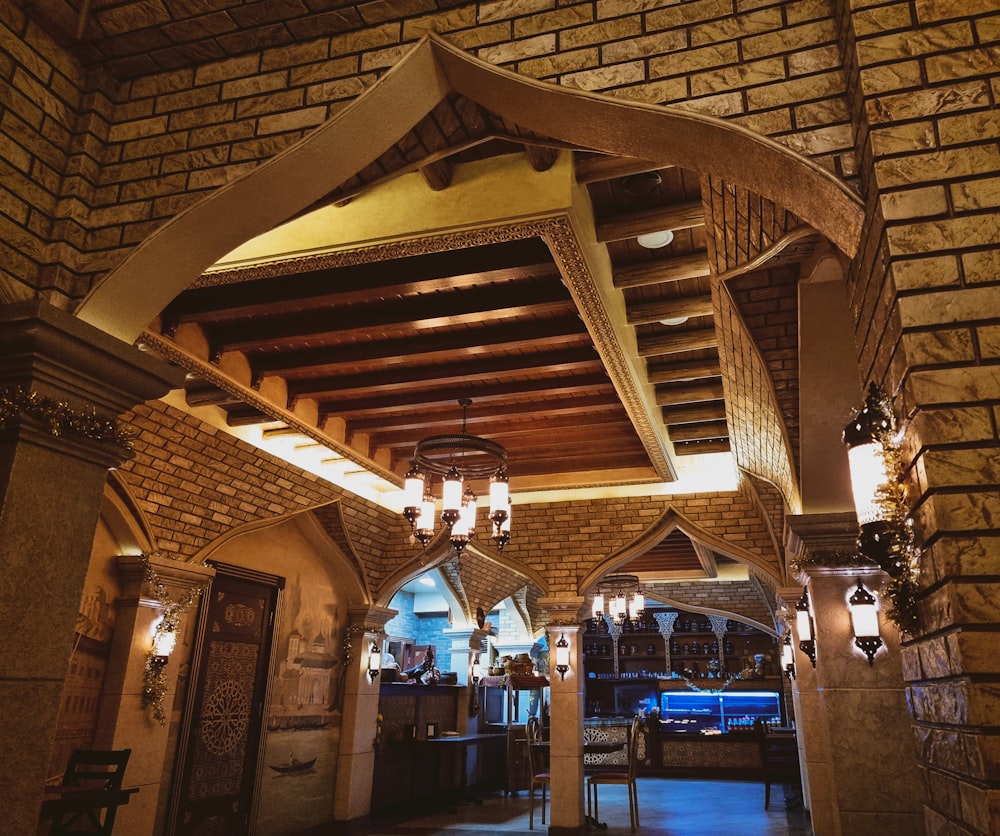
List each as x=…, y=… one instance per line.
x=154, y=681
x=804, y=623
x=866, y=437
x=374, y=661
x=864, y=620
x=562, y=656
x=477, y=671
x=788, y=656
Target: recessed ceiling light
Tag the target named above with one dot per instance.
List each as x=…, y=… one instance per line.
x=655, y=240
x=427, y=581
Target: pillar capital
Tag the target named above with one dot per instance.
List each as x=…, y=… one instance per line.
x=564, y=610
x=369, y=619
x=178, y=576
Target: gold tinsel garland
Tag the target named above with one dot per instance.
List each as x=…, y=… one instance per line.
x=154, y=686
x=60, y=418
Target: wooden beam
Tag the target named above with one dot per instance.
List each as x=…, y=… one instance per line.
x=646, y=313
x=680, y=370
x=630, y=224
x=438, y=174
x=699, y=431
x=541, y=157
x=645, y=273
x=694, y=448
x=708, y=411
x=209, y=397
x=688, y=393
x=593, y=169
x=674, y=342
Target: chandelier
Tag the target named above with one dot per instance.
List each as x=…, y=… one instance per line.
x=457, y=459
x=618, y=596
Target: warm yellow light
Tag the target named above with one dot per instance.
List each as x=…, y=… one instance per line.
x=868, y=473
x=598, y=605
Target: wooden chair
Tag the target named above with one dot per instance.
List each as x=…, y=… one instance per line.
x=779, y=757
x=626, y=778
x=90, y=793
x=537, y=775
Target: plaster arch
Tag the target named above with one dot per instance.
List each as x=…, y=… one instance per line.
x=340, y=566
x=126, y=300
x=670, y=520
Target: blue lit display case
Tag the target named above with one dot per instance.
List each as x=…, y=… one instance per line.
x=705, y=712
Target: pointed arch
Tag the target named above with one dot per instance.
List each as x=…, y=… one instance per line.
x=158, y=269
x=349, y=578
x=670, y=520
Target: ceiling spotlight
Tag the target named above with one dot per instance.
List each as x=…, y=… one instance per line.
x=655, y=240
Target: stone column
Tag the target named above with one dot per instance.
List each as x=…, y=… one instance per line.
x=356, y=755
x=866, y=780
x=566, y=808
x=125, y=721
x=56, y=374
x=465, y=643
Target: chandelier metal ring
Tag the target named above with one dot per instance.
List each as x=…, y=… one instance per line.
x=437, y=454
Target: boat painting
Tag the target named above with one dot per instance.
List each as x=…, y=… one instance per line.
x=293, y=765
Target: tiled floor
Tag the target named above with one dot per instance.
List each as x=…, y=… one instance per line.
x=667, y=807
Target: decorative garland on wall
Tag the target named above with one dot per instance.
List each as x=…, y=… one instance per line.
x=60, y=418
x=154, y=684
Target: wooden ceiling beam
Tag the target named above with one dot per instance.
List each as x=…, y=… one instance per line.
x=593, y=168
x=552, y=386
x=700, y=431
x=682, y=370
x=693, y=414
x=541, y=157
x=675, y=342
x=662, y=271
x=431, y=420
x=688, y=393
x=438, y=174
x=648, y=312
x=358, y=322
x=565, y=330
x=563, y=361
x=696, y=448
x=630, y=224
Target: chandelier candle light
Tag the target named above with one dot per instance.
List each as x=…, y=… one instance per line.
x=457, y=459
x=621, y=595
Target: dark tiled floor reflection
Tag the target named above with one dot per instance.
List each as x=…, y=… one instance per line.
x=667, y=807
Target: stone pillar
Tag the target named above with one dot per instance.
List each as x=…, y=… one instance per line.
x=864, y=778
x=566, y=717
x=465, y=644
x=56, y=374
x=356, y=755
x=125, y=721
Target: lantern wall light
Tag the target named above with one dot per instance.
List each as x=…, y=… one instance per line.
x=562, y=656
x=864, y=621
x=788, y=656
x=476, y=672
x=866, y=437
x=458, y=459
x=374, y=661
x=805, y=626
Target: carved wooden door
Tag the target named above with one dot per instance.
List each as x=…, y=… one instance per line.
x=221, y=734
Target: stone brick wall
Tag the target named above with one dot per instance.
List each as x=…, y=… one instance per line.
x=741, y=598
x=924, y=80
x=135, y=155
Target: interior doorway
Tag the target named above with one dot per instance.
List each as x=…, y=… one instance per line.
x=218, y=764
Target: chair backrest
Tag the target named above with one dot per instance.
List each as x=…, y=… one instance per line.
x=97, y=768
x=532, y=735
x=779, y=754
x=633, y=747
